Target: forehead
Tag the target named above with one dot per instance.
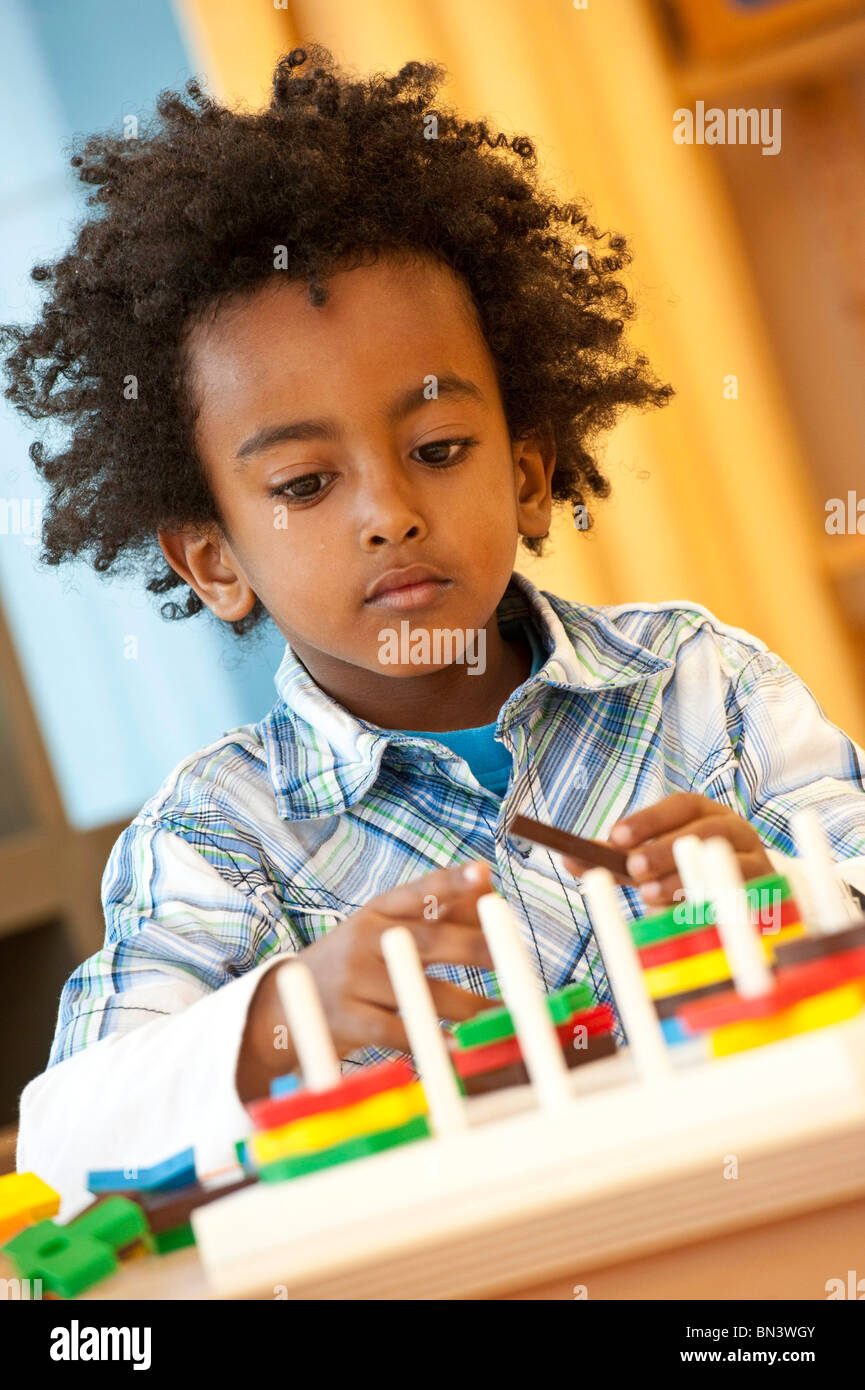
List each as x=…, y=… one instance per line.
x=383, y=325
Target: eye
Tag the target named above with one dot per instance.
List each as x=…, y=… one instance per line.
x=440, y=454
x=304, y=488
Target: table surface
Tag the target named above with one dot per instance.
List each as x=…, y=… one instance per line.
x=762, y=1250
x=791, y=1258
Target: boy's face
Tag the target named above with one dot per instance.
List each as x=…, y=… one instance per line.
x=348, y=444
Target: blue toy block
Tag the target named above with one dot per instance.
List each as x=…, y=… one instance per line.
x=285, y=1085
x=176, y=1171
x=675, y=1032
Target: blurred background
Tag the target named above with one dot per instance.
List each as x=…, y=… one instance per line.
x=749, y=271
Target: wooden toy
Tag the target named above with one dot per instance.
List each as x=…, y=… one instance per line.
x=115, y=1220
x=817, y=1011
x=66, y=1262
x=447, y=1115
x=789, y=986
x=383, y=1076
x=476, y=1080
x=813, y=947
x=493, y=1024
x=385, y=1111
x=688, y=856
x=310, y=1033
x=763, y=1007
x=709, y=968
x=633, y=1004
x=285, y=1085
x=135, y=1250
x=675, y=1031
x=774, y=914
x=631, y=1147
x=747, y=953
x=696, y=943
x=587, y=851
x=163, y=1242
x=69, y=1259
x=24, y=1198
x=539, y=1043
x=176, y=1171
x=472, y=1061
x=324, y=1088
x=827, y=908
x=520, y=1157
x=770, y=901
x=668, y=1005
x=360, y=1146
x=167, y=1210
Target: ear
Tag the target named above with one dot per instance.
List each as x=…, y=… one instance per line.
x=534, y=462
x=205, y=560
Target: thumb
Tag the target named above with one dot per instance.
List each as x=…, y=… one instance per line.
x=451, y=889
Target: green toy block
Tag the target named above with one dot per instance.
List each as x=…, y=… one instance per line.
x=660, y=926
x=360, y=1146
x=758, y=890
x=495, y=1024
x=67, y=1260
x=116, y=1220
x=675, y=921
x=242, y=1156
x=175, y=1239
x=570, y=1000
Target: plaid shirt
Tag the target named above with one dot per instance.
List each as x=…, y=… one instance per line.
x=258, y=844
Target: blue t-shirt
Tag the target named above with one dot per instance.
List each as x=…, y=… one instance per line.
x=489, y=760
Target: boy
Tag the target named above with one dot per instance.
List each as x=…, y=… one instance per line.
x=368, y=362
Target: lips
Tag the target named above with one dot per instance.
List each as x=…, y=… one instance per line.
x=410, y=587
x=395, y=580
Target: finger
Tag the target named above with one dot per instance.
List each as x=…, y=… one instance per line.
x=370, y=978
x=656, y=859
x=365, y=1023
x=668, y=814
x=449, y=943
x=438, y=894
x=374, y=1019
x=455, y=1004
x=454, y=943
x=662, y=892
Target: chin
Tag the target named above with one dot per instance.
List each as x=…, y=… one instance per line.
x=405, y=672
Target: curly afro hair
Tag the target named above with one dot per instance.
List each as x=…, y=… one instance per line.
x=335, y=166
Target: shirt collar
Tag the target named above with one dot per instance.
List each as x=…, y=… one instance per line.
x=321, y=759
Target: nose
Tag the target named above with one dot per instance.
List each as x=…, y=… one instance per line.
x=391, y=514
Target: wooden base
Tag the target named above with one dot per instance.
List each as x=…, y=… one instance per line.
x=524, y=1195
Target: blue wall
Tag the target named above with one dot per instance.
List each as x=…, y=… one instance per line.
x=114, y=726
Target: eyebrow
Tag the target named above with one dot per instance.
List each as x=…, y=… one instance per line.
x=451, y=386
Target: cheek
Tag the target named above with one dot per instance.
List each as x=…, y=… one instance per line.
x=285, y=556
x=489, y=515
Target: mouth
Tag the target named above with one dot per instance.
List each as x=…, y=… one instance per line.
x=415, y=586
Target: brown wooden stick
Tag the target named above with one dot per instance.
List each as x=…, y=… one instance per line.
x=587, y=851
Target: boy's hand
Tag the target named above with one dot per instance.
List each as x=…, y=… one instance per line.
x=647, y=837
x=439, y=909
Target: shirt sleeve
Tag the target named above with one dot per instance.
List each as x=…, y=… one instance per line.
x=150, y=1027
x=784, y=753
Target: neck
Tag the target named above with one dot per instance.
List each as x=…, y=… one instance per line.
x=455, y=697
